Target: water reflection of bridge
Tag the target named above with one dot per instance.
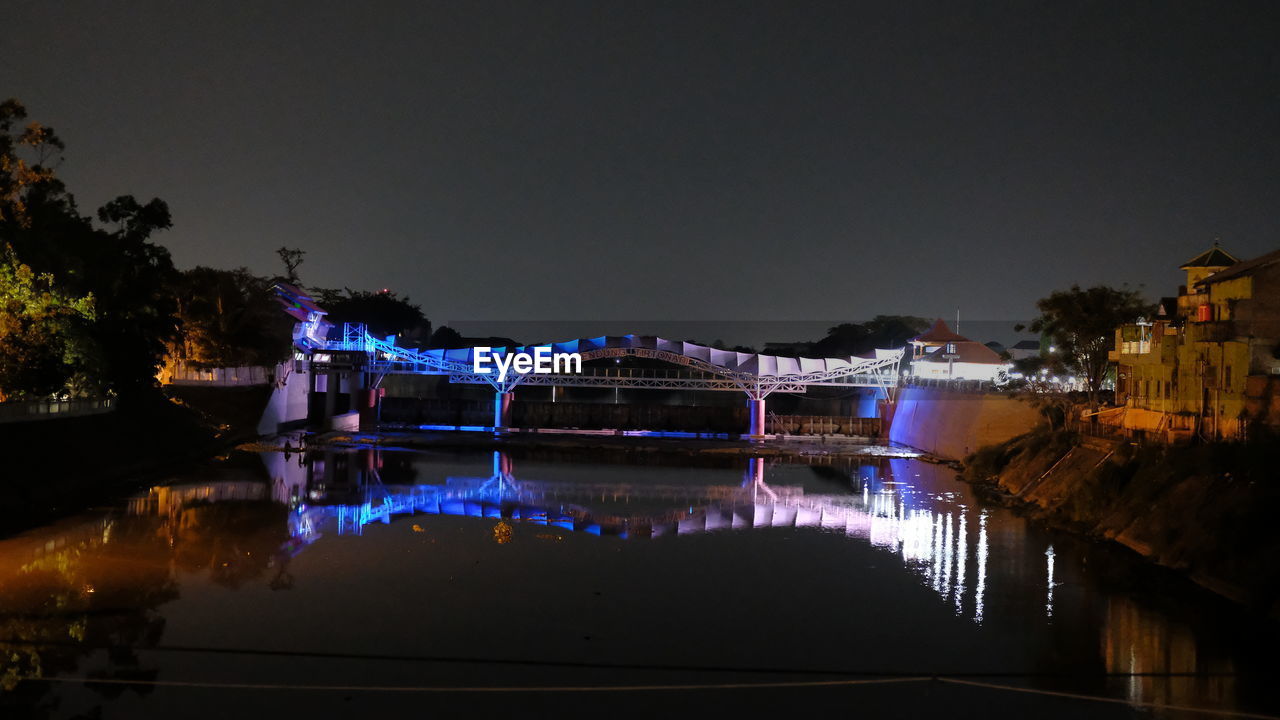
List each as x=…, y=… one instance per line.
x=95, y=561
x=358, y=497
x=944, y=543
x=941, y=541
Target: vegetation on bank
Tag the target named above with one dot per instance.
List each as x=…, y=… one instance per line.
x=1206, y=510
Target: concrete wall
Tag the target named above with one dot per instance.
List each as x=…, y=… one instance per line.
x=952, y=425
x=180, y=374
x=288, y=403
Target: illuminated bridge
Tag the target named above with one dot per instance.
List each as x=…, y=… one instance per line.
x=364, y=360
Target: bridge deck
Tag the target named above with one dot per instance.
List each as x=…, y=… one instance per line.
x=634, y=378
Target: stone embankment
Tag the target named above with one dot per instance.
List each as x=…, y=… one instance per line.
x=1206, y=511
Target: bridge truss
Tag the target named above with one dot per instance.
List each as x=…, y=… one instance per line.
x=696, y=367
x=385, y=357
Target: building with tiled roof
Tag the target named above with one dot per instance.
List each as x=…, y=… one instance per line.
x=1209, y=364
x=959, y=360
x=935, y=337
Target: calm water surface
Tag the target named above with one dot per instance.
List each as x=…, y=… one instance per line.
x=409, y=569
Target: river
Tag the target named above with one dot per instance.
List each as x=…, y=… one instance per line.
x=244, y=587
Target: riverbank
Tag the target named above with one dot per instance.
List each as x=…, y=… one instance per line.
x=58, y=467
x=1205, y=511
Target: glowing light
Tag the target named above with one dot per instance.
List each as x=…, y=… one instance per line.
x=502, y=533
x=981, y=588
x=962, y=542
x=1048, y=604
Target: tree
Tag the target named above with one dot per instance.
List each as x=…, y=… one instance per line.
x=893, y=331
x=383, y=313
x=882, y=331
x=127, y=275
x=25, y=155
x=229, y=318
x=446, y=337
x=45, y=346
x=842, y=340
x=134, y=279
x=292, y=258
x=1082, y=323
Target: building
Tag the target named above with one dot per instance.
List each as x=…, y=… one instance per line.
x=940, y=353
x=935, y=337
x=1024, y=349
x=1205, y=364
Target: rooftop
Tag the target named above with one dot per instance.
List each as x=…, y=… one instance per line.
x=966, y=351
x=1213, y=257
x=1244, y=268
x=938, y=333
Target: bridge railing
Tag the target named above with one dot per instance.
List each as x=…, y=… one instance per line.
x=25, y=411
x=953, y=384
x=822, y=425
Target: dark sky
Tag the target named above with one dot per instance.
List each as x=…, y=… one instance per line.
x=696, y=160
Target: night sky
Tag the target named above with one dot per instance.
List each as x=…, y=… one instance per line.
x=695, y=160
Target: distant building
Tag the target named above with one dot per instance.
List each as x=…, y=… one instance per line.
x=935, y=337
x=1024, y=349
x=940, y=353
x=1208, y=362
x=996, y=347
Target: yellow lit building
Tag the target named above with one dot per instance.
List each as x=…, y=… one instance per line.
x=1207, y=364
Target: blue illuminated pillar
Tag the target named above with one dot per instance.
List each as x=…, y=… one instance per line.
x=757, y=416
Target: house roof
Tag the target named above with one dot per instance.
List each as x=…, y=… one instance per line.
x=1027, y=345
x=1213, y=257
x=1244, y=268
x=1167, y=307
x=966, y=351
x=939, y=333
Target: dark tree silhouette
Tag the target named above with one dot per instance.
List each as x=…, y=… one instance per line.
x=1082, y=325
x=292, y=258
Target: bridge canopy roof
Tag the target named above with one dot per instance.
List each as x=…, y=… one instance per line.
x=680, y=352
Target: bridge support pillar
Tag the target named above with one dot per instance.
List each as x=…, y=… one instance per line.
x=331, y=382
x=355, y=391
x=502, y=409
x=756, y=406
